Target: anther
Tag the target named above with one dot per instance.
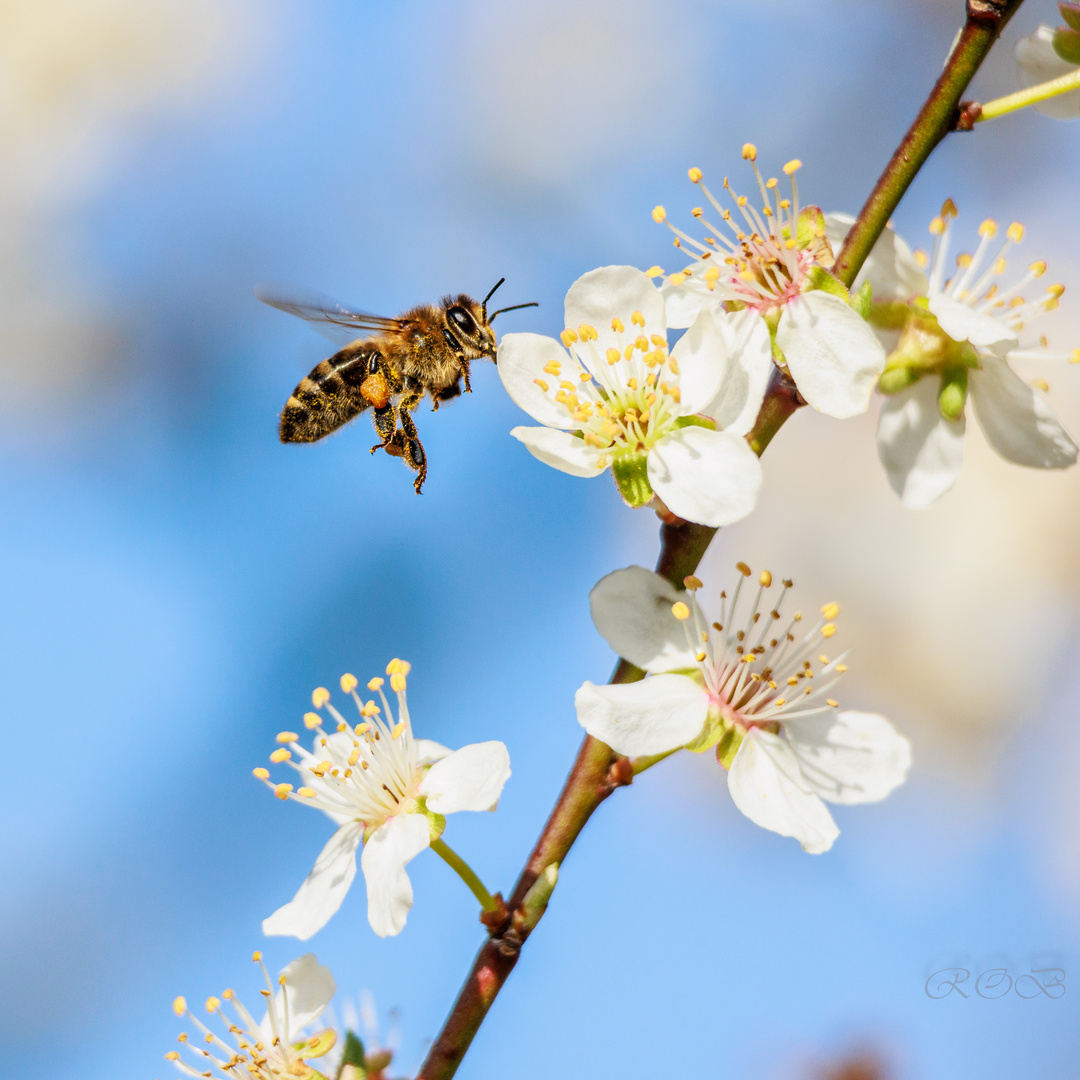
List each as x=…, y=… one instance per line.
x=832, y=701
x=988, y=228
x=741, y=566
x=256, y=956
x=765, y=580
x=840, y=668
x=568, y=337
x=792, y=166
x=287, y=737
x=830, y=611
x=828, y=630
x=1015, y=232
x=397, y=682
x=213, y=1004
x=637, y=318
x=282, y=790
x=179, y=1006
x=261, y=773
x=312, y=720
x=1037, y=269
x=659, y=214
x=948, y=209
x=399, y=729
x=652, y=272
x=692, y=583
x=308, y=793
x=680, y=611
x=374, y=684
x=278, y=756
x=695, y=175
x=320, y=696
x=749, y=152
x=697, y=212
x=349, y=683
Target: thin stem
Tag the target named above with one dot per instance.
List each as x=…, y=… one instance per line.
x=647, y=761
x=465, y=872
x=985, y=20
x=1031, y=96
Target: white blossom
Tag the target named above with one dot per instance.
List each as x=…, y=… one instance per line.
x=275, y=1048
x=958, y=336
x=750, y=685
x=773, y=263
x=611, y=396
x=383, y=788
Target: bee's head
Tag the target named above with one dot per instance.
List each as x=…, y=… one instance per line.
x=467, y=321
x=487, y=320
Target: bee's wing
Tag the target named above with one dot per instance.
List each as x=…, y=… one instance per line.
x=338, y=323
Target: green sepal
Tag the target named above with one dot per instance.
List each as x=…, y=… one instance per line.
x=630, y=470
x=711, y=733
x=1070, y=12
x=695, y=421
x=810, y=228
x=862, y=301
x=953, y=395
x=728, y=746
x=436, y=823
x=1067, y=44
x=352, y=1053
x=888, y=314
x=896, y=379
x=818, y=277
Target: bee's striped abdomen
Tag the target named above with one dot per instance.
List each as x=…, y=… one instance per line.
x=328, y=397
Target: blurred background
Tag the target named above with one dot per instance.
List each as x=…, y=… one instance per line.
x=175, y=581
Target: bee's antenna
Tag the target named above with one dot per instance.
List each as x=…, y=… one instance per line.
x=514, y=308
x=483, y=306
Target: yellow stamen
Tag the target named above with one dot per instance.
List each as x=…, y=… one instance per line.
x=278, y=756
x=320, y=696
x=306, y=792
x=749, y=152
x=792, y=166
x=287, y=736
x=765, y=579
x=399, y=727
x=349, y=683
x=374, y=684
x=659, y=214
x=680, y=611
x=691, y=583
x=742, y=567
x=653, y=272
x=179, y=1006
x=1015, y=232
x=828, y=630
x=312, y=720
x=830, y=611
x=832, y=701
x=282, y=790
x=261, y=773
x=988, y=228
x=695, y=175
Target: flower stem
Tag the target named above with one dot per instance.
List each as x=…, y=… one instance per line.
x=985, y=20
x=465, y=872
x=1031, y=96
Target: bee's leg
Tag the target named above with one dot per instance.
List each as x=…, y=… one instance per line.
x=413, y=450
x=451, y=391
x=465, y=370
x=385, y=426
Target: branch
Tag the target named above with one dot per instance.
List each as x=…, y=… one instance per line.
x=598, y=771
x=938, y=116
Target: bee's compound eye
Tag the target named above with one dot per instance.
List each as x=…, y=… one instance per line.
x=462, y=319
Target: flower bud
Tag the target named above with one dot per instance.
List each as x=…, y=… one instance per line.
x=1070, y=12
x=1067, y=44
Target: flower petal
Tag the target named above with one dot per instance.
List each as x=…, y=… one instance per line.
x=323, y=889
x=849, y=757
x=711, y=477
x=560, y=450
x=735, y=350
x=521, y=362
x=962, y=323
x=428, y=751
x=891, y=269
x=661, y=713
x=767, y=785
x=833, y=356
x=1016, y=419
x=1037, y=62
x=389, y=891
x=632, y=610
x=922, y=451
x=309, y=986
x=615, y=292
x=683, y=303
x=471, y=778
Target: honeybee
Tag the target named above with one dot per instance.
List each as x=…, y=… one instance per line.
x=389, y=365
